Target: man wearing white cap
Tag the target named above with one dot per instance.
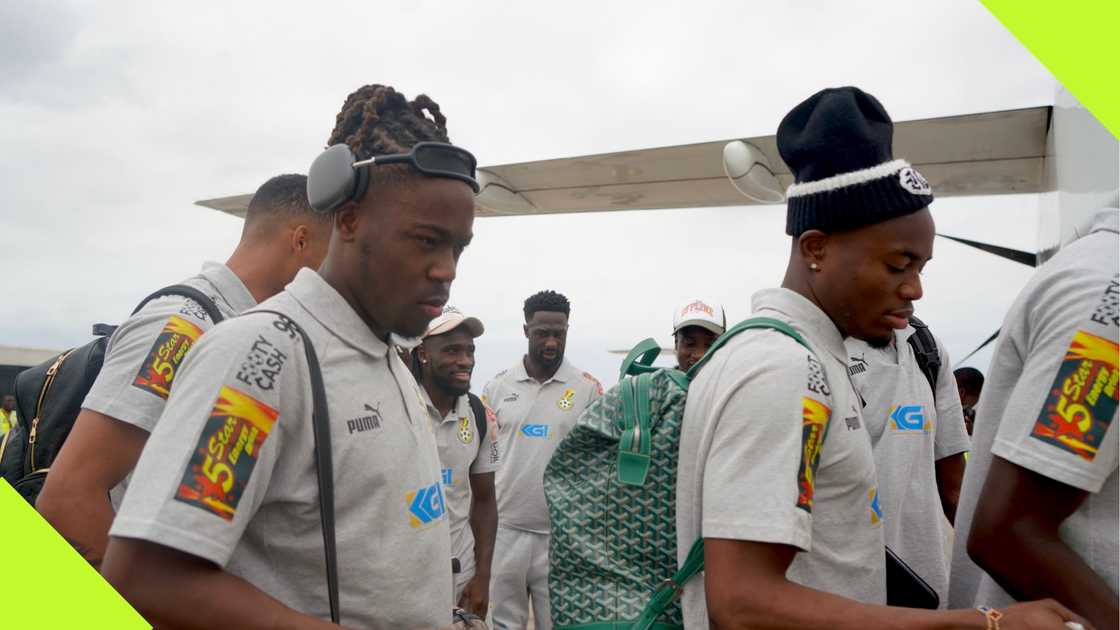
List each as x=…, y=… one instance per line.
x=696, y=324
x=468, y=451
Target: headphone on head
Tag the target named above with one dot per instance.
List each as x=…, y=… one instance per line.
x=333, y=180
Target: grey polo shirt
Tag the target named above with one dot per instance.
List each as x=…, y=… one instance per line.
x=146, y=352
x=462, y=454
x=910, y=429
x=532, y=418
x=1049, y=405
x=774, y=449
x=229, y=474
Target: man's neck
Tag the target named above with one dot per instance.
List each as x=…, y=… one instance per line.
x=540, y=373
x=797, y=283
x=331, y=277
x=442, y=400
x=257, y=272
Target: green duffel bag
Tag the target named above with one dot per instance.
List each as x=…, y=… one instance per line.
x=611, y=490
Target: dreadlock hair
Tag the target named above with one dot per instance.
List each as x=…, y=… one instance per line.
x=378, y=120
x=282, y=197
x=549, y=301
x=970, y=379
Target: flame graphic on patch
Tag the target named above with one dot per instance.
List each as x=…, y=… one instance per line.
x=1094, y=348
x=814, y=423
x=238, y=405
x=183, y=327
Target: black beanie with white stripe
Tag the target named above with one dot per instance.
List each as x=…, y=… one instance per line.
x=837, y=143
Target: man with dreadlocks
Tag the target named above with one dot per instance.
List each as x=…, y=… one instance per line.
x=221, y=526
x=537, y=401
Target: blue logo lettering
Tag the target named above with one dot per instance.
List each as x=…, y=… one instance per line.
x=447, y=480
x=908, y=418
x=425, y=505
x=535, y=430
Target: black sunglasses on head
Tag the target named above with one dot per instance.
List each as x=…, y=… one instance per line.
x=437, y=159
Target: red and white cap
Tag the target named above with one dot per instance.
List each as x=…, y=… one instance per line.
x=450, y=319
x=703, y=313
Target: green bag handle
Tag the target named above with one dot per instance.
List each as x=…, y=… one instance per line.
x=640, y=359
x=635, y=444
x=670, y=590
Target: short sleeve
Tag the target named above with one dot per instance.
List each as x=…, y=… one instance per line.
x=1060, y=420
x=142, y=360
x=951, y=436
x=488, y=458
x=207, y=466
x=767, y=432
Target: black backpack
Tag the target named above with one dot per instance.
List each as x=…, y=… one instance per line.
x=925, y=352
x=49, y=397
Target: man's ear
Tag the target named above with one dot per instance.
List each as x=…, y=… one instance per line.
x=347, y=221
x=813, y=246
x=299, y=238
x=422, y=353
x=525, y=328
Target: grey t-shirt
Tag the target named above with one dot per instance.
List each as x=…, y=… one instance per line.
x=774, y=450
x=462, y=454
x=146, y=352
x=532, y=419
x=910, y=429
x=229, y=472
x=1049, y=405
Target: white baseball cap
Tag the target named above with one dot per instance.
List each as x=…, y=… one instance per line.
x=450, y=319
x=703, y=313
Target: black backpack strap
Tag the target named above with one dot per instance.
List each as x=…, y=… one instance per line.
x=188, y=292
x=324, y=466
x=926, y=353
x=479, y=410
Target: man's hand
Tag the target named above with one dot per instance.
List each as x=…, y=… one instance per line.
x=476, y=595
x=1039, y=615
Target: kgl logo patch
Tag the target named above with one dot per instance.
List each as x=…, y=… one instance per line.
x=909, y=418
x=535, y=430
x=425, y=505
x=873, y=506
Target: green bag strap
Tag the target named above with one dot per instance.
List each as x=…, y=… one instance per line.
x=640, y=359
x=747, y=324
x=634, y=445
x=670, y=590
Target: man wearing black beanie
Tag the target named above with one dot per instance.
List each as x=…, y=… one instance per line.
x=776, y=470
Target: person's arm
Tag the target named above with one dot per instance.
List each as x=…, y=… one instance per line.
x=98, y=454
x=484, y=526
x=1014, y=538
x=950, y=473
x=172, y=589
x=746, y=588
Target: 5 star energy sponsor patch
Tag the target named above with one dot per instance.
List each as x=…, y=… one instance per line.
x=1082, y=401
x=226, y=454
x=159, y=368
x=814, y=425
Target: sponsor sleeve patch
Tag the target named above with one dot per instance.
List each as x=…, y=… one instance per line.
x=171, y=346
x=1082, y=401
x=594, y=381
x=814, y=425
x=227, y=452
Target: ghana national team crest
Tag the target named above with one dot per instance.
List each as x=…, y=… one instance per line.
x=567, y=401
x=465, y=432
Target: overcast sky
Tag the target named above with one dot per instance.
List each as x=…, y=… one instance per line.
x=117, y=116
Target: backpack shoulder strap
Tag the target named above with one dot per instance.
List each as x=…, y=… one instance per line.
x=748, y=324
x=324, y=466
x=188, y=292
x=479, y=411
x=925, y=351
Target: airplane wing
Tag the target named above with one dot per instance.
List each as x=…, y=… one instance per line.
x=977, y=154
